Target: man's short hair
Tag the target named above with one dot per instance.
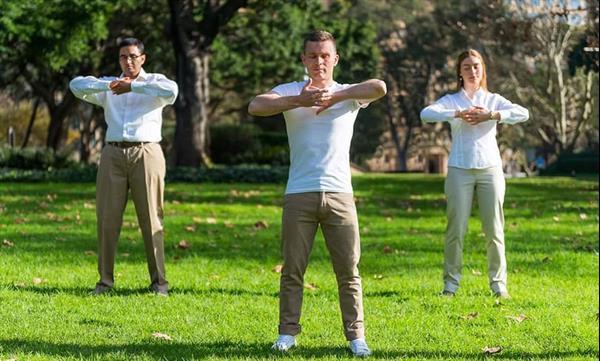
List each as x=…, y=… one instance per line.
x=132, y=41
x=318, y=35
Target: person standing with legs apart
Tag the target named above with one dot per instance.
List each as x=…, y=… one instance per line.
x=319, y=115
x=474, y=164
x=132, y=158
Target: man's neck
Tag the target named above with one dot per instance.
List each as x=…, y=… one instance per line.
x=322, y=83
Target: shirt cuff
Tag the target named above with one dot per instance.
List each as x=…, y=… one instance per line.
x=504, y=115
x=136, y=85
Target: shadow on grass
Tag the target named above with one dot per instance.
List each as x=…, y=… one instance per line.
x=233, y=349
x=137, y=291
x=140, y=291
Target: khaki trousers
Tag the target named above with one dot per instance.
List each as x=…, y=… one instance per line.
x=336, y=213
x=459, y=187
x=140, y=168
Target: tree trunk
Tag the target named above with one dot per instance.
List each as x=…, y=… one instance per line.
x=393, y=122
x=31, y=121
x=191, y=42
x=191, y=130
x=58, y=113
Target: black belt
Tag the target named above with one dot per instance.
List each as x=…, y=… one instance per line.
x=126, y=144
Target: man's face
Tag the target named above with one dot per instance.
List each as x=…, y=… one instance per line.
x=320, y=58
x=131, y=60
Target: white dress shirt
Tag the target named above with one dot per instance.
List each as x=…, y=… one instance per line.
x=135, y=116
x=474, y=146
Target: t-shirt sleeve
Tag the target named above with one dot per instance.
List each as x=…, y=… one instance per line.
x=287, y=89
x=356, y=103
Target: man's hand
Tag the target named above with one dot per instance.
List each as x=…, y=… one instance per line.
x=120, y=86
x=474, y=115
x=312, y=96
x=327, y=99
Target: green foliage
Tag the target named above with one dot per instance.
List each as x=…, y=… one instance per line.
x=52, y=34
x=33, y=158
x=249, y=144
x=245, y=63
x=574, y=163
x=217, y=174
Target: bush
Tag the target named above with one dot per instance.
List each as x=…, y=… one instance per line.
x=33, y=158
x=574, y=163
x=219, y=174
x=248, y=144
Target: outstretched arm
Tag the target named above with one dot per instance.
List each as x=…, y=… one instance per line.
x=90, y=89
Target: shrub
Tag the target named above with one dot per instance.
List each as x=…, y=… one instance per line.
x=570, y=163
x=219, y=174
x=33, y=158
x=248, y=144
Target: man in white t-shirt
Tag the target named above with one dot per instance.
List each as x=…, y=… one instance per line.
x=319, y=116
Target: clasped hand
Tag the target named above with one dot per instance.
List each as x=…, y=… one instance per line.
x=312, y=96
x=474, y=115
x=120, y=86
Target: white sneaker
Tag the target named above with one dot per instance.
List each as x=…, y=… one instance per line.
x=284, y=343
x=359, y=348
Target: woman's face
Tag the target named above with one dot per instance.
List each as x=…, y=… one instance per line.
x=471, y=71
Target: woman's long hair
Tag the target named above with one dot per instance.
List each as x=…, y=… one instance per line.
x=462, y=56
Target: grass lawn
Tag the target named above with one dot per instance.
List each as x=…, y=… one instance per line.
x=223, y=303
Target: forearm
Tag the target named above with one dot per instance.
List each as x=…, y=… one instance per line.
x=513, y=115
x=81, y=86
x=265, y=105
x=369, y=91
x=162, y=88
x=437, y=113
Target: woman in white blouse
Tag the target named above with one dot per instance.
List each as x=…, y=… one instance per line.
x=474, y=164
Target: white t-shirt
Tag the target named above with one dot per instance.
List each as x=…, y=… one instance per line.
x=474, y=146
x=319, y=144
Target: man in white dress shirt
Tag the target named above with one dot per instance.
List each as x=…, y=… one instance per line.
x=131, y=160
x=319, y=115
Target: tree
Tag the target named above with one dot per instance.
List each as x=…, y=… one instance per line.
x=253, y=53
x=561, y=96
x=194, y=27
x=43, y=45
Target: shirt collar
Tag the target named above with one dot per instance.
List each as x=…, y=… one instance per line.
x=142, y=75
x=476, y=95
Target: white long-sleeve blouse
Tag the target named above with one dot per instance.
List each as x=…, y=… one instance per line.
x=474, y=146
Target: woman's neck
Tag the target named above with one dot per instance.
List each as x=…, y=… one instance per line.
x=471, y=90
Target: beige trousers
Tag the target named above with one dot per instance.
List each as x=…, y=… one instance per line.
x=140, y=169
x=336, y=213
x=459, y=187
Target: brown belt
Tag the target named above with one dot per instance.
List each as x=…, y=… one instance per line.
x=126, y=144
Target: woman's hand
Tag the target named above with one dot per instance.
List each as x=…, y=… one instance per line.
x=476, y=115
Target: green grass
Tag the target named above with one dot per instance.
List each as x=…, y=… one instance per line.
x=223, y=303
